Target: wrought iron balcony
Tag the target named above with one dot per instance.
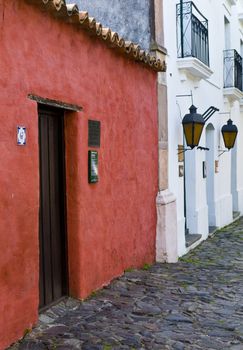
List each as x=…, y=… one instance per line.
x=192, y=32
x=232, y=70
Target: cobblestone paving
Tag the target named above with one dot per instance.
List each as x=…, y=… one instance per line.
x=195, y=304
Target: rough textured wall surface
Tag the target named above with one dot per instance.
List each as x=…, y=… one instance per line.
x=130, y=18
x=111, y=225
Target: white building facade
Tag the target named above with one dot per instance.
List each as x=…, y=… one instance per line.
x=204, y=42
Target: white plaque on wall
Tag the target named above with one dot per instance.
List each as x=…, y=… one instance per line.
x=21, y=135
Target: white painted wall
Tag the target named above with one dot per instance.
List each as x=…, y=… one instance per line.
x=206, y=92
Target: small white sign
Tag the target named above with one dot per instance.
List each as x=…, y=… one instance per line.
x=21, y=135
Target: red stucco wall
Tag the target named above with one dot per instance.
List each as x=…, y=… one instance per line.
x=111, y=225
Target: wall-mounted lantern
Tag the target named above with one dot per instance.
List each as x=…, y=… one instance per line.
x=193, y=124
x=229, y=132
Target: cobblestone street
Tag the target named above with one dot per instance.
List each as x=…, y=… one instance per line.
x=194, y=304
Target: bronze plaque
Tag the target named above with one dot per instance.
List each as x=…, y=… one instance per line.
x=93, y=176
x=180, y=153
x=204, y=168
x=216, y=166
x=181, y=170
x=94, y=133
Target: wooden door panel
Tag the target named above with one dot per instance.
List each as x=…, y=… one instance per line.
x=45, y=212
x=55, y=198
x=53, y=278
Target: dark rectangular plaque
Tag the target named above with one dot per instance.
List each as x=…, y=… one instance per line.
x=94, y=133
x=93, y=167
x=204, y=164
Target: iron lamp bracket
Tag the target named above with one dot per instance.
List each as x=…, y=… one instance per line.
x=203, y=148
x=222, y=151
x=183, y=150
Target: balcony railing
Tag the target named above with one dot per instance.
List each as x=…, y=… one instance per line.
x=192, y=32
x=232, y=69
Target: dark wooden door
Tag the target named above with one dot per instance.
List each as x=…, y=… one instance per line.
x=53, y=257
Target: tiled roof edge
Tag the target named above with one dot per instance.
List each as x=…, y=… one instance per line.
x=72, y=14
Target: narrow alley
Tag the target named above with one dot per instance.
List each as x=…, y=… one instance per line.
x=194, y=304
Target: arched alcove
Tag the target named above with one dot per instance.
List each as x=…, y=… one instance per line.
x=235, y=203
x=210, y=176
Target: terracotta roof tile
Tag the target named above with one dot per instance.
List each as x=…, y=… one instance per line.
x=71, y=14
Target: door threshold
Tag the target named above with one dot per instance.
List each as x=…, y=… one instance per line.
x=236, y=215
x=212, y=230
x=54, y=303
x=192, y=238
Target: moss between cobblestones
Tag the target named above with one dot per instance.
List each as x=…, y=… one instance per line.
x=129, y=269
x=54, y=347
x=107, y=347
x=189, y=260
x=146, y=267
x=228, y=227
x=27, y=331
x=184, y=285
x=93, y=294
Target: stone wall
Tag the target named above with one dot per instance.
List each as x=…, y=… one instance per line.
x=130, y=18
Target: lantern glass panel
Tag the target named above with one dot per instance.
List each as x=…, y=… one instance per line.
x=188, y=132
x=198, y=128
x=229, y=139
